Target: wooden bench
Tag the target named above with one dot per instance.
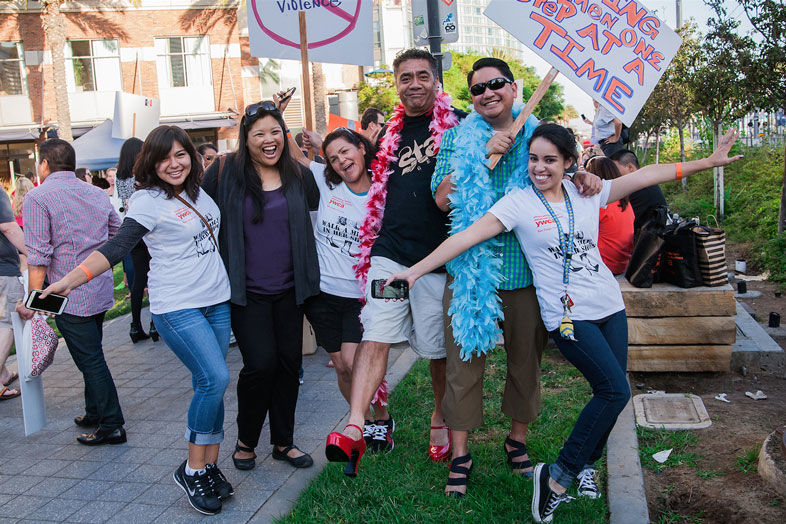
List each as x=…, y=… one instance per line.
x=676, y=329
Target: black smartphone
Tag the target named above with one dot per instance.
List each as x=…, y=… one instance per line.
x=288, y=94
x=395, y=290
x=53, y=304
x=583, y=117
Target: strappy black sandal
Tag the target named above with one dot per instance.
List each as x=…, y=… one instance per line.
x=456, y=467
x=244, y=464
x=519, y=450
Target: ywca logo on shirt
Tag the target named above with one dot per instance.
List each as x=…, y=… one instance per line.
x=544, y=222
x=184, y=214
x=411, y=157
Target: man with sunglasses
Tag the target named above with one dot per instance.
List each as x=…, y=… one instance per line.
x=493, y=91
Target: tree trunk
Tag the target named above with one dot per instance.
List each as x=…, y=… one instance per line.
x=681, y=131
x=716, y=171
x=657, y=147
x=782, y=214
x=320, y=98
x=645, y=148
x=53, y=23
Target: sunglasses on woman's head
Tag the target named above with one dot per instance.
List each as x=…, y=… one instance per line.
x=254, y=109
x=495, y=84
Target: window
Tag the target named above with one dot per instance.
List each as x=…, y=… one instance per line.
x=11, y=69
x=183, y=61
x=95, y=65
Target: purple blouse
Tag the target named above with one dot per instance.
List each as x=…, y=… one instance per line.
x=269, y=268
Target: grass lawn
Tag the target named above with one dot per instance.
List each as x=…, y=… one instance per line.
x=404, y=486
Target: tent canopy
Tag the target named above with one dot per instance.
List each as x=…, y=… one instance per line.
x=96, y=149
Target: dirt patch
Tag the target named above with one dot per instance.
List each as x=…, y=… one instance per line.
x=715, y=488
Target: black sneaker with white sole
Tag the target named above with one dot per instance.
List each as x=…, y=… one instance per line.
x=544, y=500
x=588, y=487
x=200, y=491
x=220, y=484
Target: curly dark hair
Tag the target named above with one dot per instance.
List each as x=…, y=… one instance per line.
x=415, y=53
x=156, y=147
x=356, y=139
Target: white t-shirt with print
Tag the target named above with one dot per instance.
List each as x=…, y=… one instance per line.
x=337, y=230
x=592, y=287
x=186, y=270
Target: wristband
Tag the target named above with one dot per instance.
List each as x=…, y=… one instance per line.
x=679, y=170
x=87, y=271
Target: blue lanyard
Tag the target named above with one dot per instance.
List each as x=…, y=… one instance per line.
x=565, y=241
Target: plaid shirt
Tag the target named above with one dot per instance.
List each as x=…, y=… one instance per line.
x=515, y=270
x=66, y=220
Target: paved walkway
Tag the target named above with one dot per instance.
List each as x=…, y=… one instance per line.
x=48, y=476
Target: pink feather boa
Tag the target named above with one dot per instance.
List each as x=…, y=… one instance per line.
x=444, y=119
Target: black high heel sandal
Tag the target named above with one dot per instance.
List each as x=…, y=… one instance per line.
x=137, y=334
x=154, y=332
x=456, y=467
x=519, y=450
x=244, y=464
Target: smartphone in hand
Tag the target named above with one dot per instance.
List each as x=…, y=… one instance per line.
x=396, y=290
x=52, y=304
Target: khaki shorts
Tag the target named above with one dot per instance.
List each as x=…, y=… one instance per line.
x=417, y=319
x=11, y=291
x=525, y=339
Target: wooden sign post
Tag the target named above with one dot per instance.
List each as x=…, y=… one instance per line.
x=306, y=75
x=532, y=103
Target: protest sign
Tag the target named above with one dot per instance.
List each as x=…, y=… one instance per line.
x=339, y=31
x=614, y=50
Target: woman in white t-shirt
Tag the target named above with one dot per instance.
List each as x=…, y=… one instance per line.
x=579, y=298
x=189, y=293
x=335, y=313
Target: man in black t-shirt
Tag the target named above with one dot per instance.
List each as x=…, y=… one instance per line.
x=412, y=227
x=644, y=199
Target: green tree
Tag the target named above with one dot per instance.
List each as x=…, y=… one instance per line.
x=379, y=92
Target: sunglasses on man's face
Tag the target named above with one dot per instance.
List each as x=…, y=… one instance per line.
x=495, y=84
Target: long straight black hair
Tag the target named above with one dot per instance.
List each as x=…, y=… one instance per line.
x=288, y=170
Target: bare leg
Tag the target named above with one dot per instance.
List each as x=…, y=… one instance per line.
x=6, y=339
x=199, y=455
x=518, y=432
x=371, y=360
x=343, y=361
x=458, y=444
x=438, y=437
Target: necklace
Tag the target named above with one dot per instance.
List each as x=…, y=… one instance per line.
x=566, y=247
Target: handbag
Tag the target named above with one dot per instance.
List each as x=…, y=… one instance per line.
x=43, y=347
x=645, y=257
x=679, y=260
x=711, y=253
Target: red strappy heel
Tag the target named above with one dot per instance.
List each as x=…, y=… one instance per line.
x=440, y=453
x=341, y=448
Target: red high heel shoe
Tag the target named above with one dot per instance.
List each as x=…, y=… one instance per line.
x=341, y=448
x=440, y=453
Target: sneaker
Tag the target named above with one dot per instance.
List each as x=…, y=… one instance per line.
x=199, y=490
x=369, y=430
x=544, y=500
x=587, y=485
x=383, y=435
x=220, y=484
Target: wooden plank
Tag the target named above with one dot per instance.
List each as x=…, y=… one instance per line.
x=679, y=358
x=681, y=330
x=666, y=300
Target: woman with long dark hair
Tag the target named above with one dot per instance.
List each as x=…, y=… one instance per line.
x=580, y=300
x=189, y=293
x=267, y=244
x=136, y=264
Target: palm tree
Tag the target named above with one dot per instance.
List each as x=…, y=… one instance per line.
x=320, y=98
x=53, y=22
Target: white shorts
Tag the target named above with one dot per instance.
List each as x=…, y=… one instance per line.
x=418, y=319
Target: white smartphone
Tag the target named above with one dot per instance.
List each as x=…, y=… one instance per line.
x=53, y=304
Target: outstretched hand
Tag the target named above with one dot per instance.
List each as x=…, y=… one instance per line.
x=720, y=157
x=279, y=100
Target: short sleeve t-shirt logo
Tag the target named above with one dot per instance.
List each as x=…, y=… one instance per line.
x=415, y=155
x=340, y=231
x=203, y=241
x=581, y=244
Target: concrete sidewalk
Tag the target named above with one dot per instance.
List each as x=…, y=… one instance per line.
x=50, y=477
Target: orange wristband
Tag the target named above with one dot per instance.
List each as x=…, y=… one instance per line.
x=87, y=271
x=679, y=170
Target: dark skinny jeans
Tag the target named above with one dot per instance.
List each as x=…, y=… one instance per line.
x=269, y=333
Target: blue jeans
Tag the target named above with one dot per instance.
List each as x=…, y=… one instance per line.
x=600, y=352
x=83, y=337
x=200, y=338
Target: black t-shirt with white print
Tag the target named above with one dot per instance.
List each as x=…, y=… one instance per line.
x=413, y=226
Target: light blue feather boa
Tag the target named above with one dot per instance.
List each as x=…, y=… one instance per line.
x=476, y=309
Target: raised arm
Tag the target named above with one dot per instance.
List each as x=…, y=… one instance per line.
x=485, y=227
x=659, y=173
